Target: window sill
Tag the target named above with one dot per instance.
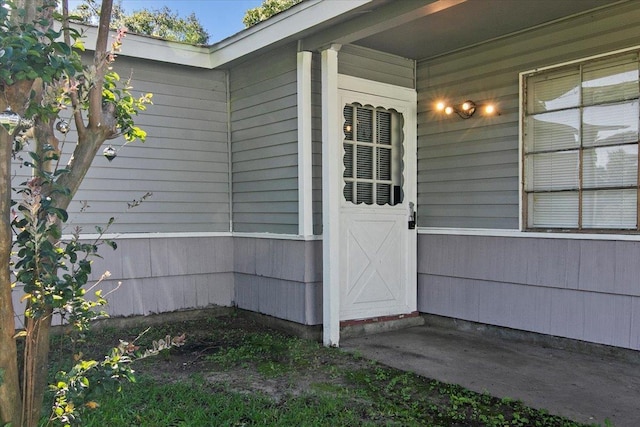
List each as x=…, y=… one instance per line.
x=529, y=234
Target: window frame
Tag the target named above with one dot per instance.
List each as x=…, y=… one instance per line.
x=522, y=158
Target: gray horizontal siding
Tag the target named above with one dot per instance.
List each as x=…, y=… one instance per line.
x=264, y=138
x=480, y=155
x=378, y=66
x=580, y=289
x=184, y=161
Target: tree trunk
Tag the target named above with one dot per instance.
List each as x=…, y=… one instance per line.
x=10, y=400
x=36, y=361
x=25, y=411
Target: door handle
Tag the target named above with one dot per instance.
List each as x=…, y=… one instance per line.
x=412, y=216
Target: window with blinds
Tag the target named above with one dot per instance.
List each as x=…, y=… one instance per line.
x=372, y=155
x=581, y=146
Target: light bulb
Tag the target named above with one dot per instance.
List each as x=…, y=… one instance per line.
x=466, y=106
x=448, y=110
x=489, y=109
x=440, y=106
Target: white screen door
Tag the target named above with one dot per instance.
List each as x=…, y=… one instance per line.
x=377, y=243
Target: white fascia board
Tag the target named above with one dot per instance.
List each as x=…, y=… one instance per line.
x=151, y=48
x=285, y=25
x=289, y=24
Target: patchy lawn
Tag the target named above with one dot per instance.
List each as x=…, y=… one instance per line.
x=234, y=372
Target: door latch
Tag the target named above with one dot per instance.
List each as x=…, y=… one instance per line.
x=412, y=216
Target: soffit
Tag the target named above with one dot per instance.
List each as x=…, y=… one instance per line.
x=470, y=22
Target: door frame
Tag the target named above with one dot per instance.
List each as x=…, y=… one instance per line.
x=332, y=157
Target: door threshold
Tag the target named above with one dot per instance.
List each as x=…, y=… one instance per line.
x=375, y=325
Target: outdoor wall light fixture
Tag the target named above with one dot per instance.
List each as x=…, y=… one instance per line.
x=10, y=120
x=465, y=110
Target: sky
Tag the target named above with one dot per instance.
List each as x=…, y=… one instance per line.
x=221, y=18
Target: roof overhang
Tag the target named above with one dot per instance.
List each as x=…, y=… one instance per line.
x=415, y=29
x=445, y=26
x=152, y=48
x=301, y=20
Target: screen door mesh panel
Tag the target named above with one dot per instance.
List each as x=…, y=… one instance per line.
x=372, y=155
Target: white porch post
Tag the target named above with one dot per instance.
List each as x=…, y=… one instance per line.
x=305, y=175
x=331, y=174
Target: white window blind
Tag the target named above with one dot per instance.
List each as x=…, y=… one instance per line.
x=372, y=155
x=581, y=131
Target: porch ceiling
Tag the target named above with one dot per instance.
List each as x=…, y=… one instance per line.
x=460, y=23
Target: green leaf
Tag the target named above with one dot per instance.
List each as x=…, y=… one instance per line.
x=60, y=213
x=55, y=232
x=34, y=156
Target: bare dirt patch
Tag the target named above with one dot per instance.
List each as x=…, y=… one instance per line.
x=220, y=352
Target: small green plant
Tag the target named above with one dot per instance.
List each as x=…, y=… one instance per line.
x=273, y=353
x=89, y=379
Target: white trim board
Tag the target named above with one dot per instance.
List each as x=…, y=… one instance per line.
x=330, y=209
x=385, y=90
x=273, y=236
x=421, y=230
x=305, y=152
x=527, y=234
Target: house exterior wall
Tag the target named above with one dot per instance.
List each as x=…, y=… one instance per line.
x=148, y=275
x=468, y=169
x=161, y=274
x=280, y=278
x=167, y=274
x=581, y=289
x=473, y=263
x=184, y=161
x=369, y=64
x=265, y=143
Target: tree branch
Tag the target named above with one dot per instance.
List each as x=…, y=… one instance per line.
x=95, y=95
x=75, y=104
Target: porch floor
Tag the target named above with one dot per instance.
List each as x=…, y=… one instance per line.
x=586, y=384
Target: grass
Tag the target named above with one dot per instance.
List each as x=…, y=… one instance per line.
x=233, y=372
